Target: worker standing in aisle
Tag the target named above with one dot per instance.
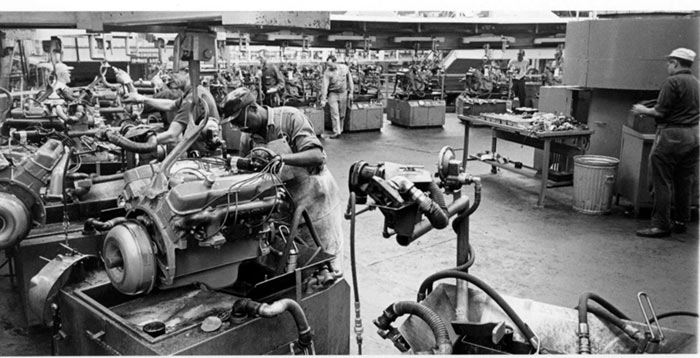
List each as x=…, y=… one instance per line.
x=518, y=69
x=336, y=90
x=673, y=160
x=313, y=186
x=271, y=82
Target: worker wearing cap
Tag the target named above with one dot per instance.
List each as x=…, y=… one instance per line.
x=336, y=90
x=271, y=81
x=181, y=107
x=313, y=188
x=673, y=160
x=518, y=69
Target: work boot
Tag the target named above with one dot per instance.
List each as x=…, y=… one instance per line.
x=653, y=232
x=679, y=227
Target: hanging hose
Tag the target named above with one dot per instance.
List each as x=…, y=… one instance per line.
x=673, y=314
x=437, y=196
x=353, y=268
x=252, y=308
x=584, y=341
x=437, y=326
x=426, y=287
x=135, y=147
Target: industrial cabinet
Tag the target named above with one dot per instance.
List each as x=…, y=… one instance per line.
x=416, y=113
x=632, y=173
x=364, y=116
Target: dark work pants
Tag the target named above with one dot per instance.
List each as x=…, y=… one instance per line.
x=519, y=91
x=673, y=165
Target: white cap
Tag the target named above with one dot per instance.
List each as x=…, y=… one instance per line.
x=683, y=53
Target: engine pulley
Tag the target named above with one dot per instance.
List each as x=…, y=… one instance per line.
x=129, y=258
x=14, y=220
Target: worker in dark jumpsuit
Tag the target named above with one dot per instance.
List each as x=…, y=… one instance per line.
x=673, y=161
x=313, y=185
x=272, y=83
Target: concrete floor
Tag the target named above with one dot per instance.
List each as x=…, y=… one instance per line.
x=550, y=254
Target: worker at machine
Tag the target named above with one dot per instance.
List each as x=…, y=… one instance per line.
x=58, y=94
x=673, y=160
x=271, y=81
x=314, y=187
x=336, y=90
x=180, y=80
x=518, y=69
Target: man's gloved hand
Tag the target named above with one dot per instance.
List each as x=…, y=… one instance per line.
x=272, y=90
x=323, y=102
x=261, y=157
x=122, y=76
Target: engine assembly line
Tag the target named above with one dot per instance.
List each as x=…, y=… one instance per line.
x=169, y=186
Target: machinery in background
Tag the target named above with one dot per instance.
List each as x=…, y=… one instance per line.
x=461, y=320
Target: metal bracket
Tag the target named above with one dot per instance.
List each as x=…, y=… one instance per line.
x=643, y=299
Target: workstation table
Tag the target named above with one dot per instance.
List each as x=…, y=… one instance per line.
x=548, y=141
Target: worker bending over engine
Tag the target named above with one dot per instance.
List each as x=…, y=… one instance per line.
x=313, y=185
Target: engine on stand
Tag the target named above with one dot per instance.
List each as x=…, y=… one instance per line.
x=458, y=319
x=205, y=260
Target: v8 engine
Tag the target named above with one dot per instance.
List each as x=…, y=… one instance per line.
x=200, y=229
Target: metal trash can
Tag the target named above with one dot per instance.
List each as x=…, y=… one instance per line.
x=594, y=183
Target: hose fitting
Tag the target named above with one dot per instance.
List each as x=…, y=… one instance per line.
x=437, y=325
x=584, y=341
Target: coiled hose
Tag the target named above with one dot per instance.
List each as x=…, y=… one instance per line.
x=437, y=325
x=426, y=288
x=252, y=308
x=135, y=147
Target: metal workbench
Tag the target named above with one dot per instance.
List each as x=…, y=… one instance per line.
x=545, y=140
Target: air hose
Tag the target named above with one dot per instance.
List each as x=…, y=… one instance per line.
x=353, y=267
x=92, y=224
x=673, y=314
x=584, y=341
x=252, y=308
x=150, y=146
x=435, y=213
x=437, y=325
x=426, y=287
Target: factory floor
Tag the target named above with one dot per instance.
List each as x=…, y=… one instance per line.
x=550, y=254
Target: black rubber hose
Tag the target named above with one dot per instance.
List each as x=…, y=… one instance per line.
x=617, y=321
x=673, y=314
x=276, y=308
x=428, y=282
x=92, y=224
x=437, y=196
x=434, y=321
x=583, y=306
x=353, y=269
x=135, y=147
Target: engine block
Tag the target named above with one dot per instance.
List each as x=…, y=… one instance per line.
x=199, y=230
